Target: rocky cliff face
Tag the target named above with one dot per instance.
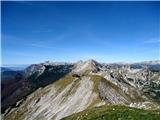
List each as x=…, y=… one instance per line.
x=95, y=84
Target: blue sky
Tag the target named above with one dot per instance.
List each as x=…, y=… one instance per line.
x=34, y=32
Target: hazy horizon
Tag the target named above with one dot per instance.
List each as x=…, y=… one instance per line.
x=34, y=32
x=127, y=62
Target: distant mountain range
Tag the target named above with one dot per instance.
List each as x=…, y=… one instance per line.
x=55, y=90
x=14, y=67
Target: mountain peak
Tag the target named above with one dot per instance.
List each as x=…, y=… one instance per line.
x=82, y=66
x=91, y=61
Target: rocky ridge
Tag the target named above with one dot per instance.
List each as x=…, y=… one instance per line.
x=95, y=84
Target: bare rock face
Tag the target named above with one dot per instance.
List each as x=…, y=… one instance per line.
x=53, y=102
x=35, y=69
x=46, y=73
x=111, y=94
x=90, y=65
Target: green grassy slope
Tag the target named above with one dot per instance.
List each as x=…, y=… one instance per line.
x=115, y=113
